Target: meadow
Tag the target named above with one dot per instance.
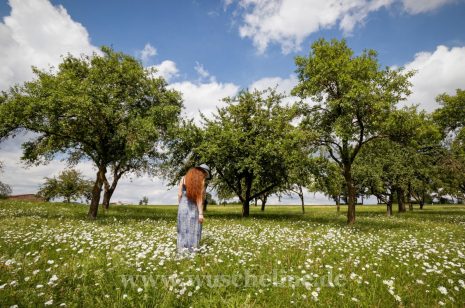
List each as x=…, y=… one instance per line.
x=51, y=255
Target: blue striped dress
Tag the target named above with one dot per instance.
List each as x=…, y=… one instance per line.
x=189, y=228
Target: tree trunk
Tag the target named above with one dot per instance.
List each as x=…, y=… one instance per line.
x=409, y=197
x=351, y=193
x=400, y=199
x=337, y=199
x=422, y=201
x=205, y=205
x=301, y=195
x=109, y=189
x=106, y=198
x=246, y=200
x=96, y=191
x=245, y=208
x=389, y=205
x=263, y=199
x=255, y=200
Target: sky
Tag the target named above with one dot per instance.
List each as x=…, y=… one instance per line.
x=208, y=50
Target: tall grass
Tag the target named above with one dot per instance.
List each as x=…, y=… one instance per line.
x=51, y=255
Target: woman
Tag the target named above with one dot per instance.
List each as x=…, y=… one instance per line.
x=191, y=195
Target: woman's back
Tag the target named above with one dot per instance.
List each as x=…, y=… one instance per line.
x=189, y=228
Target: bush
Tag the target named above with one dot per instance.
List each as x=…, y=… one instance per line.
x=5, y=190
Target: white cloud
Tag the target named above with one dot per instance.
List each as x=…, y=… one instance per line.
x=27, y=180
x=283, y=84
x=148, y=52
x=440, y=71
x=203, y=97
x=197, y=96
x=289, y=22
x=36, y=33
x=203, y=73
x=415, y=6
x=166, y=69
x=437, y=72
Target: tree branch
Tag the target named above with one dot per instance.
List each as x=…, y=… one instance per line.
x=263, y=191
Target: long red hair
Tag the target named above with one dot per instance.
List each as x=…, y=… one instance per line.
x=194, y=181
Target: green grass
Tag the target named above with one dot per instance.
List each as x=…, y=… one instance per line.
x=50, y=253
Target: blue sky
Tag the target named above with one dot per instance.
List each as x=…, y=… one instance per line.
x=210, y=49
x=207, y=32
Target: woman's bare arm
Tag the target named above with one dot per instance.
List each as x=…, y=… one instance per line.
x=200, y=205
x=180, y=191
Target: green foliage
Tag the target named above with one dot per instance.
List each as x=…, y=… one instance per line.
x=5, y=190
x=410, y=127
x=209, y=199
x=353, y=96
x=408, y=160
x=326, y=177
x=8, y=124
x=249, y=142
x=181, y=154
x=451, y=115
x=69, y=185
x=144, y=201
x=451, y=118
x=106, y=107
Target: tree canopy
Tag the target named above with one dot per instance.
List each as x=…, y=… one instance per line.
x=248, y=144
x=106, y=108
x=5, y=189
x=353, y=96
x=451, y=118
x=69, y=185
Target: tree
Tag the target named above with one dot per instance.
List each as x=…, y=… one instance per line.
x=300, y=167
x=5, y=190
x=451, y=115
x=181, y=151
x=404, y=164
x=8, y=124
x=69, y=185
x=248, y=142
x=451, y=118
x=325, y=177
x=105, y=108
x=144, y=201
x=208, y=200
x=384, y=167
x=353, y=96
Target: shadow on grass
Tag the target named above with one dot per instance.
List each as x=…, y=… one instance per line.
x=368, y=217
